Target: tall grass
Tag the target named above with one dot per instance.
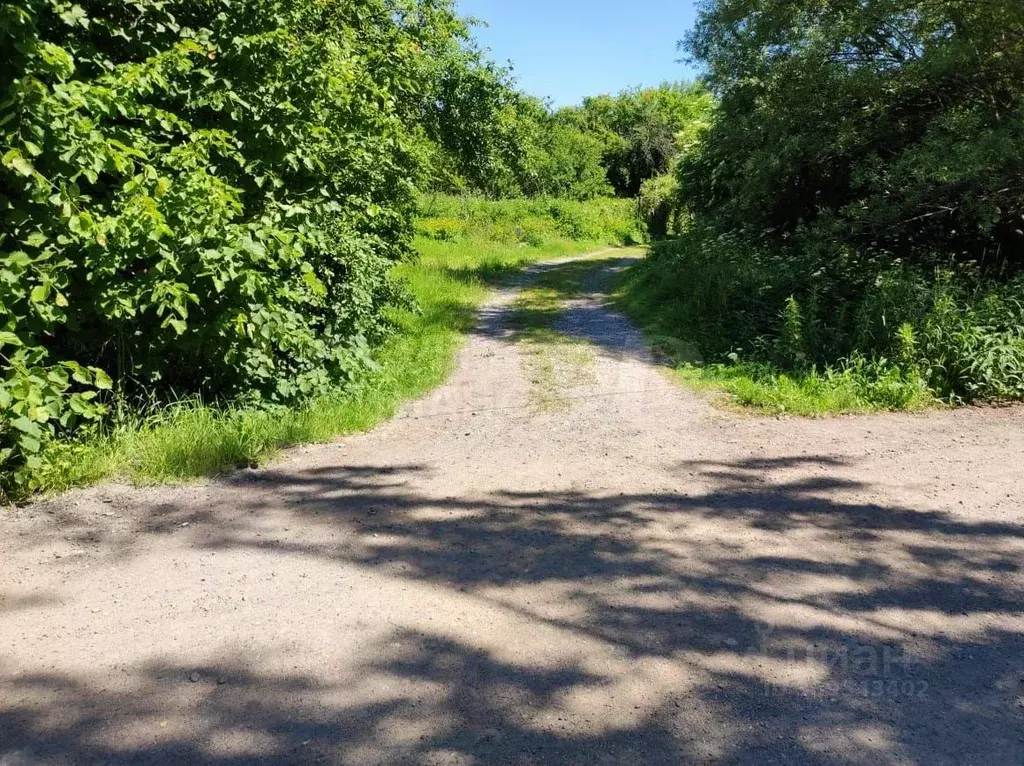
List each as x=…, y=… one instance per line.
x=816, y=327
x=191, y=438
x=532, y=222
x=730, y=320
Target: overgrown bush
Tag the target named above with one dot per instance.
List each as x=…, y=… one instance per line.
x=804, y=308
x=641, y=129
x=198, y=196
x=660, y=206
x=903, y=119
x=857, y=194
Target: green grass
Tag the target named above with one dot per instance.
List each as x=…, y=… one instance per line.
x=530, y=221
x=844, y=390
x=189, y=439
x=856, y=386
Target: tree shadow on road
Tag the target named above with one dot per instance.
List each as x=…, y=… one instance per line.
x=752, y=619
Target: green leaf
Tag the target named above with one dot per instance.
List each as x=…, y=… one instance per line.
x=59, y=376
x=81, y=375
x=29, y=443
x=103, y=381
x=19, y=259
x=40, y=293
x=17, y=162
x=26, y=426
x=79, y=405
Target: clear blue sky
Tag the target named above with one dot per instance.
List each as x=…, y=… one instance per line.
x=567, y=49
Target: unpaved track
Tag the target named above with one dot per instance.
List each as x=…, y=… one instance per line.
x=625, y=576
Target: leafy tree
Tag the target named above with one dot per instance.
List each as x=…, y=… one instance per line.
x=641, y=129
x=904, y=118
x=201, y=196
x=466, y=113
x=858, y=193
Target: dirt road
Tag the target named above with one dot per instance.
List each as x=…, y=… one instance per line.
x=558, y=557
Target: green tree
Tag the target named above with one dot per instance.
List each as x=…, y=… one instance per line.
x=904, y=118
x=641, y=129
x=201, y=196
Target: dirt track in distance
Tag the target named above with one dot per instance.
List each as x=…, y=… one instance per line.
x=618, y=573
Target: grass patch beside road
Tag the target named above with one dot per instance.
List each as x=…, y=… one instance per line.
x=856, y=385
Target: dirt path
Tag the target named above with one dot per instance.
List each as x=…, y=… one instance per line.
x=558, y=557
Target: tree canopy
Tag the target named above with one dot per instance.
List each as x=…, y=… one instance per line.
x=902, y=118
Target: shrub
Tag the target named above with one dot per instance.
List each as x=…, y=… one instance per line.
x=903, y=119
x=197, y=196
x=855, y=193
x=973, y=346
x=660, y=206
x=792, y=309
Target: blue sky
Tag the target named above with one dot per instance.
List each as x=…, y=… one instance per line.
x=568, y=49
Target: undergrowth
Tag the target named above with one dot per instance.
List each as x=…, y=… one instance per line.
x=702, y=314
x=532, y=222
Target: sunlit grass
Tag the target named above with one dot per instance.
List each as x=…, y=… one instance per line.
x=811, y=393
x=855, y=386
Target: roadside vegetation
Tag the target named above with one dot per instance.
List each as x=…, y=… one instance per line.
x=216, y=202
x=846, y=233
x=228, y=226
x=450, y=275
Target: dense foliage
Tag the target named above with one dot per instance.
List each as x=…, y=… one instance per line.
x=514, y=145
x=642, y=130
x=860, y=190
x=448, y=278
x=204, y=195
x=904, y=117
x=538, y=155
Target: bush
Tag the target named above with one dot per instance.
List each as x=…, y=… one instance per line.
x=196, y=196
x=972, y=346
x=804, y=307
x=903, y=119
x=855, y=194
x=660, y=206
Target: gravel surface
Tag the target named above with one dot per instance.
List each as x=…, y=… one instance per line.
x=625, y=576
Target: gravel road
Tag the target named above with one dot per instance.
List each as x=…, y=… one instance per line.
x=558, y=557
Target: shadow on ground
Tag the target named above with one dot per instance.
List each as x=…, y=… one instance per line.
x=807, y=627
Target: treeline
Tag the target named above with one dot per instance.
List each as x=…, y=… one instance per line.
x=518, y=147
x=858, y=196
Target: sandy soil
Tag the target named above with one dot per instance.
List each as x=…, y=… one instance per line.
x=623, y=575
